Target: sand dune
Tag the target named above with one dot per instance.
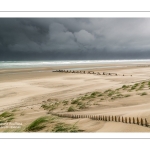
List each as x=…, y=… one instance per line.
x=27, y=89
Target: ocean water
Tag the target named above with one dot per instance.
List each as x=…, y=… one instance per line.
x=30, y=64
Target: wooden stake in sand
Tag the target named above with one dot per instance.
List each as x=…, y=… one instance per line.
x=115, y=118
x=119, y=119
x=141, y=121
x=112, y=118
x=138, y=121
x=105, y=118
x=133, y=120
x=126, y=120
x=109, y=118
x=122, y=120
x=96, y=117
x=146, y=123
x=99, y=118
x=129, y=120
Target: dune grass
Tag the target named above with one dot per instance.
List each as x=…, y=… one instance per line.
x=62, y=127
x=82, y=106
x=6, y=117
x=71, y=108
x=127, y=95
x=144, y=93
x=6, y=114
x=39, y=124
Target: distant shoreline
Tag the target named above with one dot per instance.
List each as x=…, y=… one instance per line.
x=39, y=64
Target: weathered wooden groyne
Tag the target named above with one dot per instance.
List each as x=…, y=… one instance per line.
x=127, y=120
x=88, y=72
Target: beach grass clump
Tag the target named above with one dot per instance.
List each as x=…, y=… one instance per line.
x=75, y=101
x=79, y=103
x=136, y=84
x=109, y=90
x=6, y=117
x=45, y=106
x=83, y=98
x=10, y=119
x=117, y=96
x=144, y=93
x=141, y=87
x=127, y=95
x=99, y=95
x=125, y=87
x=94, y=93
x=6, y=114
x=49, y=107
x=65, y=102
x=62, y=127
x=83, y=106
x=71, y=108
x=133, y=88
x=39, y=124
x=14, y=110
x=111, y=93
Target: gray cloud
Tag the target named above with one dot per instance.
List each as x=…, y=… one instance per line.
x=74, y=38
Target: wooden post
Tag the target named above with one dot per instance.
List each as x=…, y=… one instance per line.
x=99, y=118
x=96, y=117
x=105, y=118
x=146, y=123
x=129, y=120
x=112, y=118
x=109, y=118
x=115, y=118
x=119, y=119
x=133, y=120
x=141, y=121
x=122, y=119
x=138, y=121
x=126, y=120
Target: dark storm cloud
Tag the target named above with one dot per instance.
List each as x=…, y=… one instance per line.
x=74, y=38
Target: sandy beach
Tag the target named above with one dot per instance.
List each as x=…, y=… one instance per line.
x=30, y=93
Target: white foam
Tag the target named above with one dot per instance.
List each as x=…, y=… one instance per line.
x=29, y=64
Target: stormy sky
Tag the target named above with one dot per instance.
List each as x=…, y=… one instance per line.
x=74, y=38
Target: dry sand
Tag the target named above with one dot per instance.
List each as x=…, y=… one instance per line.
x=23, y=91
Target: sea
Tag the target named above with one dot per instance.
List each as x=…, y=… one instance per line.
x=52, y=63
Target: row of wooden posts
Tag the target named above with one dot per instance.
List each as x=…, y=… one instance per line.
x=130, y=120
x=88, y=72
x=84, y=72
